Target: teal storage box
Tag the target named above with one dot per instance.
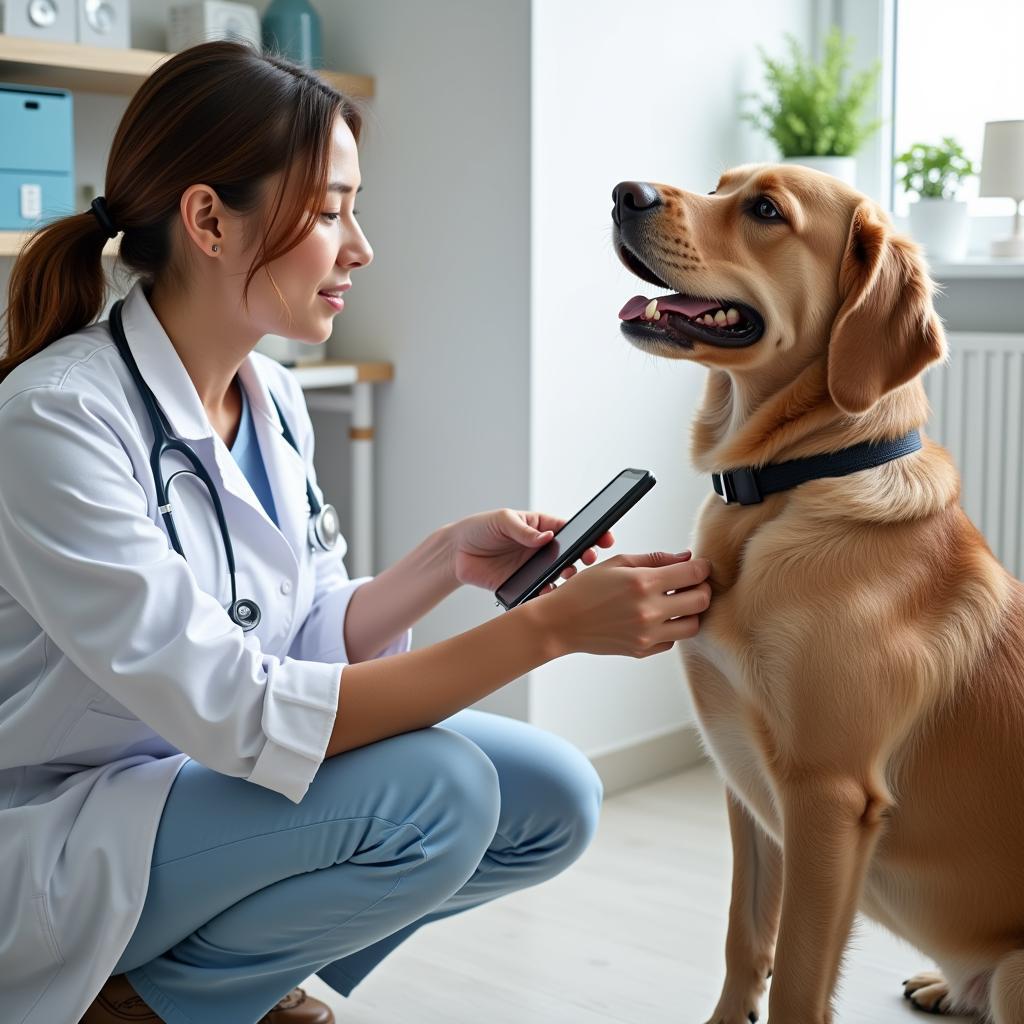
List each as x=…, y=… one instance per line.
x=37, y=156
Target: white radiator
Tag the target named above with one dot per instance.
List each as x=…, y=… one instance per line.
x=978, y=416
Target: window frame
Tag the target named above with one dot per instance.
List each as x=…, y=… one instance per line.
x=872, y=23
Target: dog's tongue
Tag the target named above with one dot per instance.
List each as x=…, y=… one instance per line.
x=678, y=303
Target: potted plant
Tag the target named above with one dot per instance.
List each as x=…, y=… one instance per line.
x=938, y=220
x=809, y=116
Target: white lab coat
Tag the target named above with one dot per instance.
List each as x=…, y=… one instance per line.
x=118, y=660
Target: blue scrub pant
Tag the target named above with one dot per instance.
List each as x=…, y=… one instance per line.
x=250, y=893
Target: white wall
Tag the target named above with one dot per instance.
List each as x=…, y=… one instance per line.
x=446, y=205
x=647, y=91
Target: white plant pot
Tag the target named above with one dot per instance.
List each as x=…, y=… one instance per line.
x=842, y=167
x=940, y=226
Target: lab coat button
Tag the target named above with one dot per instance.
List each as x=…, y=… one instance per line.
x=286, y=586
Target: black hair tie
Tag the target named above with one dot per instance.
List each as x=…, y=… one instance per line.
x=99, y=207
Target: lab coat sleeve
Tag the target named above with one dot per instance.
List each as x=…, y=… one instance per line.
x=79, y=551
x=321, y=636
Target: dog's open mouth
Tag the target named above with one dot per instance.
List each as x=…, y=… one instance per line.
x=684, y=319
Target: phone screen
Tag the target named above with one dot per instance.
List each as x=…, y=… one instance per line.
x=574, y=531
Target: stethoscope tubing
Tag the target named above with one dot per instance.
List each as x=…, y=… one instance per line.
x=244, y=612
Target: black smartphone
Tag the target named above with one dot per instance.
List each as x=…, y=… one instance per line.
x=579, y=533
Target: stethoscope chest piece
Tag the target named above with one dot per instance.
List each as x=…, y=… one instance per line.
x=324, y=529
x=245, y=613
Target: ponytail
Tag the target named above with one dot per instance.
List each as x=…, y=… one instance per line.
x=56, y=286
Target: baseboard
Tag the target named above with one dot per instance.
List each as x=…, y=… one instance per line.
x=651, y=757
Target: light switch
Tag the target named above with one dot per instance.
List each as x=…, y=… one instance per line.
x=31, y=201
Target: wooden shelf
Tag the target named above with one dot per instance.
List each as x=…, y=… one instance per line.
x=329, y=373
x=78, y=66
x=12, y=241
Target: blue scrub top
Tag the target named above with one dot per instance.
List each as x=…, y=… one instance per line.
x=246, y=451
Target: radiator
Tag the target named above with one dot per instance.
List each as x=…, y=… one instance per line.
x=977, y=403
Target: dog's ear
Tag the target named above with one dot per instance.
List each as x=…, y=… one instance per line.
x=886, y=331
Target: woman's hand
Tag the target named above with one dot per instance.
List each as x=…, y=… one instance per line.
x=636, y=605
x=488, y=547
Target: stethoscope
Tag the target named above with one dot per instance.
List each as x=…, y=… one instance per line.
x=324, y=527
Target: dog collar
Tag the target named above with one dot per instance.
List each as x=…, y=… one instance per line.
x=748, y=485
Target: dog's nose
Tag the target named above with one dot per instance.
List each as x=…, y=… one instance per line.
x=632, y=198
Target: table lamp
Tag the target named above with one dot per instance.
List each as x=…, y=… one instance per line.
x=1002, y=174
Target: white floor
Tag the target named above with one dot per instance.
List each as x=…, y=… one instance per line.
x=633, y=932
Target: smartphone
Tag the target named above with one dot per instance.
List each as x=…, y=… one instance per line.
x=579, y=533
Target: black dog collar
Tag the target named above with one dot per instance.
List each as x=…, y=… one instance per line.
x=748, y=485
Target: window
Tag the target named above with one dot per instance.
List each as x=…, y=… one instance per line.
x=957, y=65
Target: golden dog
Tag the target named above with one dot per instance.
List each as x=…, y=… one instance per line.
x=859, y=675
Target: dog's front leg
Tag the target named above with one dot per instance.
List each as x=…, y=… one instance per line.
x=831, y=825
x=753, y=917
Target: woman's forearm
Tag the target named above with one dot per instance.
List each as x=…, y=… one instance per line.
x=418, y=689
x=399, y=596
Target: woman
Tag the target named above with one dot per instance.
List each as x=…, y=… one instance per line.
x=144, y=686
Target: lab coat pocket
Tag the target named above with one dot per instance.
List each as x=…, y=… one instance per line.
x=99, y=737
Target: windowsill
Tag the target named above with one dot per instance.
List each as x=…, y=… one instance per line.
x=978, y=267
x=978, y=264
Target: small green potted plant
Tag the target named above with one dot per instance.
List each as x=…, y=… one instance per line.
x=938, y=220
x=810, y=116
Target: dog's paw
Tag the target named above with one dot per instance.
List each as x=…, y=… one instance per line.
x=736, y=1008
x=928, y=991
x=741, y=995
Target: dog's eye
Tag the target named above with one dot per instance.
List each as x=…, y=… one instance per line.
x=764, y=209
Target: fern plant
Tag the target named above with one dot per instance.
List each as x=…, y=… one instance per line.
x=934, y=172
x=809, y=113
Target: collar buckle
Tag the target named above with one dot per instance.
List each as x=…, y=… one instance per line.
x=737, y=486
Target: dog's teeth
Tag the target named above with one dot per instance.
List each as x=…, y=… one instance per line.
x=720, y=319
x=650, y=309
x=733, y=316
x=657, y=315
x=709, y=320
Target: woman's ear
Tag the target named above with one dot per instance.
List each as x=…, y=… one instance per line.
x=886, y=331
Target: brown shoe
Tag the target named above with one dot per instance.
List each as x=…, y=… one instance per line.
x=119, y=1003
x=298, y=1008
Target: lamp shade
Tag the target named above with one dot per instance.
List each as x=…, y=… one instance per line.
x=1002, y=160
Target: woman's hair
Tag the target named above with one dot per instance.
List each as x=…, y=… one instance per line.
x=222, y=113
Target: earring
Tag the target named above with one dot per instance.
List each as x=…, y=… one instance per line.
x=216, y=248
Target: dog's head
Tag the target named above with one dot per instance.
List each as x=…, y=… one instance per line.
x=778, y=266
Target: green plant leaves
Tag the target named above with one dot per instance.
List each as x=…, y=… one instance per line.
x=809, y=114
x=934, y=172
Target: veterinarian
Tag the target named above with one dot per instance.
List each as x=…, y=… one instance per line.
x=190, y=824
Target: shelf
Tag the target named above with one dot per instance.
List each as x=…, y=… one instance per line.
x=980, y=267
x=329, y=373
x=79, y=66
x=12, y=241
